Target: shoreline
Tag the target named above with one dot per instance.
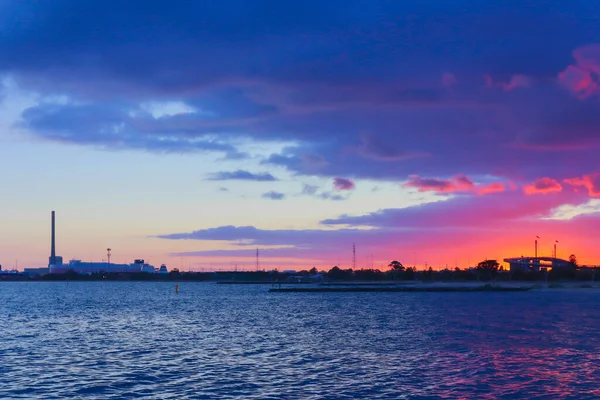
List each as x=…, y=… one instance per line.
x=365, y=286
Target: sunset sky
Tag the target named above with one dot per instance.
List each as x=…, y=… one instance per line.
x=193, y=132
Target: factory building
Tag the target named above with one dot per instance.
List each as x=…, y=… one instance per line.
x=56, y=265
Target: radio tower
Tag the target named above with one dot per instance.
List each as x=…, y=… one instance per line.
x=257, y=264
x=353, y=257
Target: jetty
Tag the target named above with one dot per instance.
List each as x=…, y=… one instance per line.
x=322, y=289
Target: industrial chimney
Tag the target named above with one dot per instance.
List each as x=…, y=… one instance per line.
x=52, y=260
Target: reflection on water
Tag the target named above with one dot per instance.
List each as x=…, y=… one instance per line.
x=129, y=340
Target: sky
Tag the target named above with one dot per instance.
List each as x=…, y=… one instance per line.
x=192, y=133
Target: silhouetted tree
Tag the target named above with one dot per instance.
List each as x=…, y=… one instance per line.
x=573, y=260
x=313, y=271
x=368, y=275
x=409, y=274
x=334, y=272
x=445, y=274
x=337, y=273
x=488, y=267
x=396, y=266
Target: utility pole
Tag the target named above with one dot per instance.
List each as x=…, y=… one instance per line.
x=353, y=257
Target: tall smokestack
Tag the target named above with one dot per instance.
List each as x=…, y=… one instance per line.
x=53, y=243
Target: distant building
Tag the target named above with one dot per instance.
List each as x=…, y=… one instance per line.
x=163, y=269
x=36, y=271
x=535, y=264
x=83, y=267
x=9, y=272
x=56, y=265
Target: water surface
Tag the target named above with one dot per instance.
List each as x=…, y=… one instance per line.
x=142, y=340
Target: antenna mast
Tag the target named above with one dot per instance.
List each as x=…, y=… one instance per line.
x=257, y=263
x=353, y=256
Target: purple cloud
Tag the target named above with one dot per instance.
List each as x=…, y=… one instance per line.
x=443, y=230
x=342, y=84
x=343, y=184
x=582, y=78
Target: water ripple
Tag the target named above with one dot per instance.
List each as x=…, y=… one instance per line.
x=114, y=340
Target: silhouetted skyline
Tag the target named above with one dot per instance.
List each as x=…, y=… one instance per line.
x=437, y=133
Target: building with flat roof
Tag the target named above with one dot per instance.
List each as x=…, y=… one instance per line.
x=536, y=263
x=56, y=265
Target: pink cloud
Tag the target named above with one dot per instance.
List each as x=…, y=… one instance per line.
x=495, y=187
x=582, y=78
x=591, y=182
x=343, y=184
x=516, y=81
x=579, y=81
x=458, y=183
x=461, y=212
x=543, y=186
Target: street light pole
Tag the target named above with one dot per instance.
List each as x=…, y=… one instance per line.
x=536, y=245
x=555, y=253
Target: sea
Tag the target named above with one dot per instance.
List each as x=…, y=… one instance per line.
x=127, y=340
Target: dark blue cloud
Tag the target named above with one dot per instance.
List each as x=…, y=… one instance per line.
x=315, y=191
x=332, y=196
x=242, y=175
x=109, y=126
x=173, y=46
x=355, y=84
